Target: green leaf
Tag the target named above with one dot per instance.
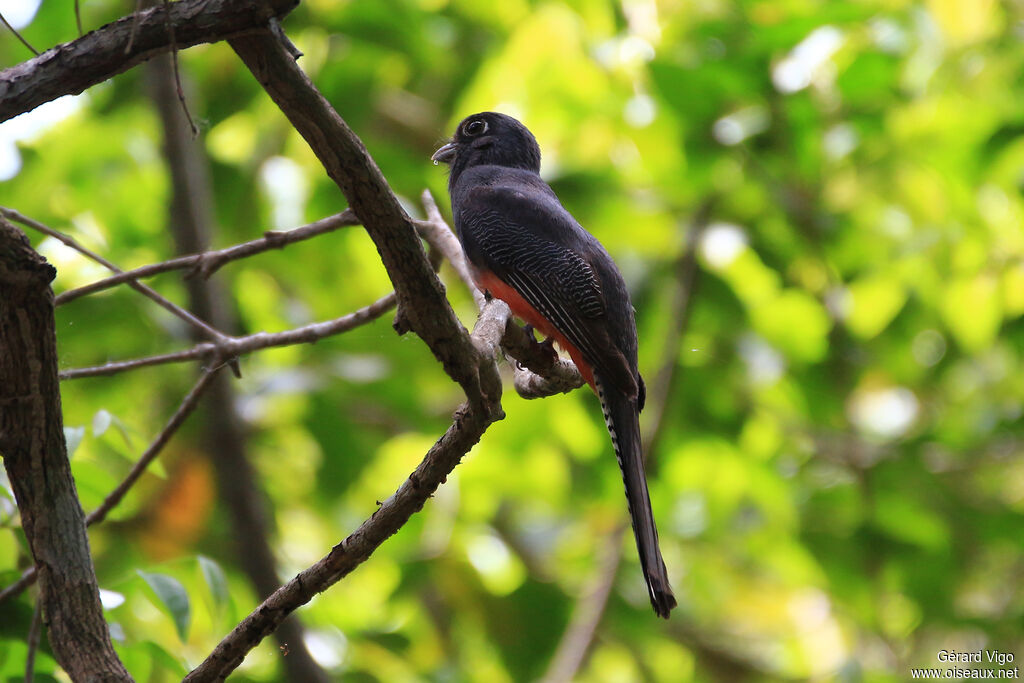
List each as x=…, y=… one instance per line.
x=172, y=597
x=908, y=520
x=973, y=311
x=875, y=301
x=795, y=323
x=165, y=659
x=215, y=580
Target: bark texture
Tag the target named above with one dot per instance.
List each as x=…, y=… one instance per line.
x=35, y=456
x=422, y=304
x=70, y=68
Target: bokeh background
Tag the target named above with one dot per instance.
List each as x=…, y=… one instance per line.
x=839, y=482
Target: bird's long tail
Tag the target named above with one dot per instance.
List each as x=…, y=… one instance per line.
x=623, y=419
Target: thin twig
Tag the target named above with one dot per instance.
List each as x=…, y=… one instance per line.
x=185, y=409
x=207, y=263
x=174, y=66
x=136, y=19
x=78, y=19
x=138, y=286
x=27, y=578
x=442, y=237
x=232, y=347
x=33, y=641
x=468, y=425
x=18, y=35
x=195, y=353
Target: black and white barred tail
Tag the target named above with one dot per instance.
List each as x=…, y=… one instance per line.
x=622, y=416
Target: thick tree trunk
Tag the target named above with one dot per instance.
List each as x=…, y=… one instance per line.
x=35, y=456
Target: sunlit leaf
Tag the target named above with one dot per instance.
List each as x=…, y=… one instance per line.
x=172, y=598
x=874, y=302
x=215, y=580
x=972, y=310
x=905, y=519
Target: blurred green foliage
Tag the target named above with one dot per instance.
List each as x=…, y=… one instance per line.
x=840, y=486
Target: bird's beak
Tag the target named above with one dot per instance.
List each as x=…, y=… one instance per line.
x=445, y=154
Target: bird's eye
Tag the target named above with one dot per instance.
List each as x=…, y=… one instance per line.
x=475, y=127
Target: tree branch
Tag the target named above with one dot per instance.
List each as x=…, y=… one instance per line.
x=468, y=425
x=188, y=404
x=72, y=67
x=145, y=290
x=537, y=374
x=35, y=456
x=233, y=347
x=27, y=578
x=33, y=641
x=421, y=296
x=469, y=360
x=208, y=262
x=185, y=409
x=225, y=435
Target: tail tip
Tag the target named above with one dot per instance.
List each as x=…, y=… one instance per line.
x=662, y=600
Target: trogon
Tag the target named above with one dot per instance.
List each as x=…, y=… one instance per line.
x=524, y=248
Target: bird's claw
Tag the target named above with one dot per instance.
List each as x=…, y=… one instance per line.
x=547, y=347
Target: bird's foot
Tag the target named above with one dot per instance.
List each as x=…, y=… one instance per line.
x=544, y=349
x=547, y=347
x=528, y=330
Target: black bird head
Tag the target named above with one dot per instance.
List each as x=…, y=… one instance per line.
x=491, y=139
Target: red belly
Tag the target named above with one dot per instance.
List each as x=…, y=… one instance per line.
x=522, y=309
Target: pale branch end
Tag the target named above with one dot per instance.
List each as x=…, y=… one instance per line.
x=537, y=374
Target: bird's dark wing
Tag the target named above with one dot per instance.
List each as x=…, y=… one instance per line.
x=532, y=243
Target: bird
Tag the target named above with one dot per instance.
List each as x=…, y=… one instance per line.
x=525, y=248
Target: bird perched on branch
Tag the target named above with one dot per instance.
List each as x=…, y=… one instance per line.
x=524, y=248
